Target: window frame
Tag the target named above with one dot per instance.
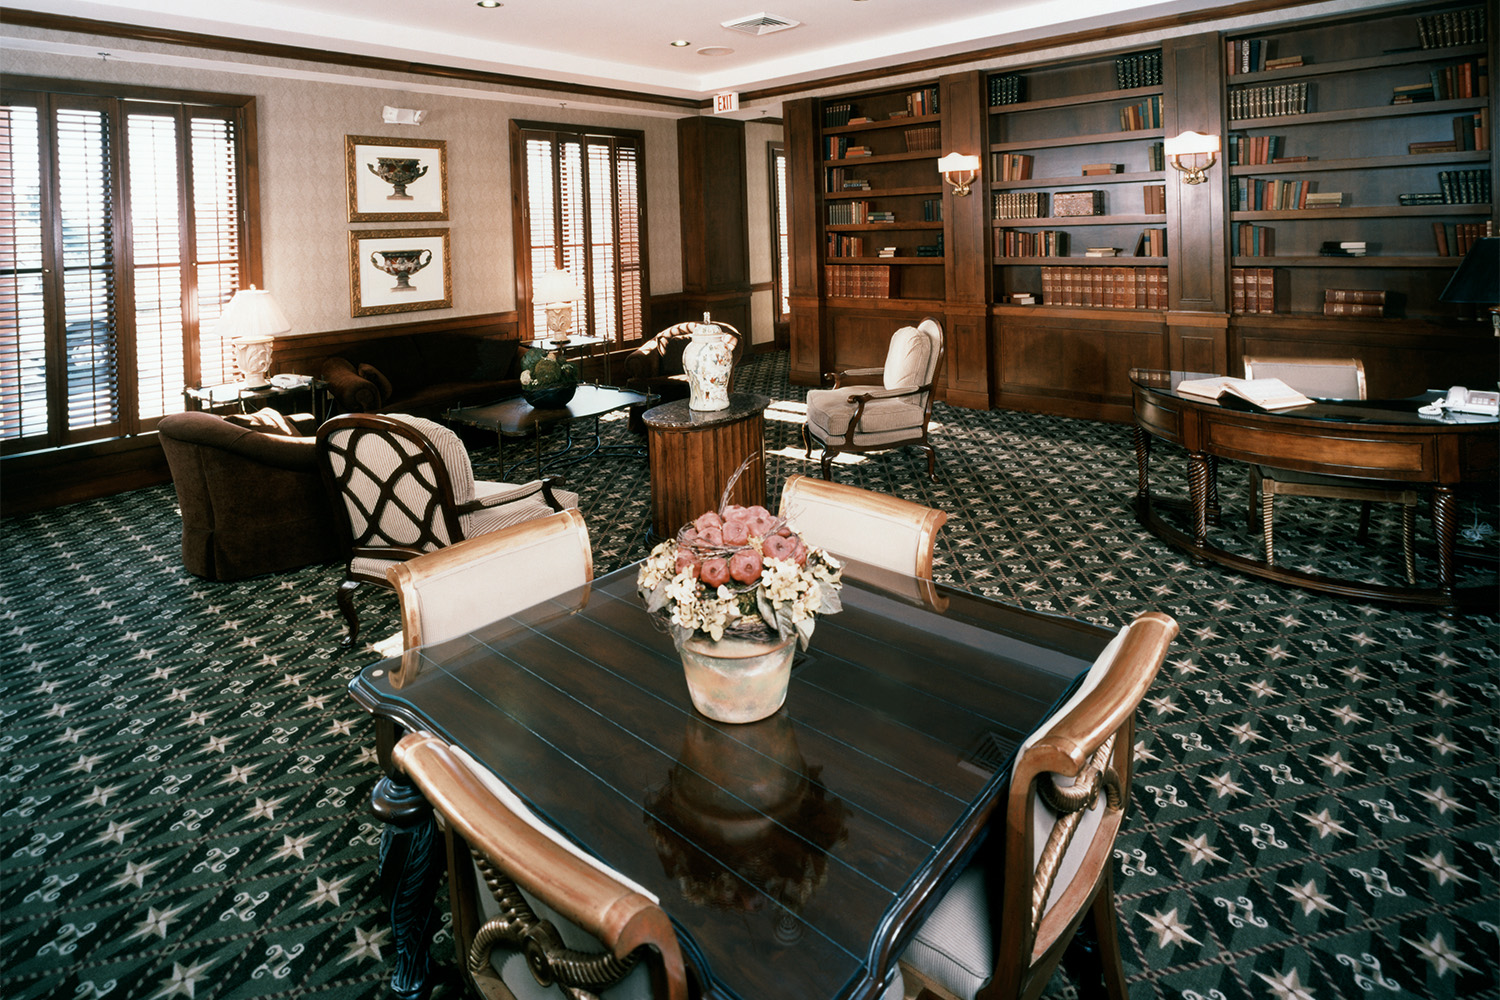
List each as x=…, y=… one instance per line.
x=781, y=241
x=118, y=102
x=521, y=222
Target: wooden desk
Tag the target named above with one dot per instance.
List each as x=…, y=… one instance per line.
x=693, y=454
x=1359, y=439
x=795, y=855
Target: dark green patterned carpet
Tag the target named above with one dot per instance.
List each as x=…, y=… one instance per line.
x=183, y=778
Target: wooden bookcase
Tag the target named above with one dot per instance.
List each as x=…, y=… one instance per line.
x=1070, y=354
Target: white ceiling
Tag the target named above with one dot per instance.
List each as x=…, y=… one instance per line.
x=627, y=46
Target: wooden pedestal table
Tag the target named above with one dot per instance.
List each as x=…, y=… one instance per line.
x=693, y=454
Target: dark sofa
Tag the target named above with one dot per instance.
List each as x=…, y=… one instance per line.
x=250, y=491
x=422, y=373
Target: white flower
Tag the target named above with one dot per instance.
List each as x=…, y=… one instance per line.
x=526, y=378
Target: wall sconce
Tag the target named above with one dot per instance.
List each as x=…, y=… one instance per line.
x=1197, y=146
x=960, y=171
x=556, y=290
x=402, y=116
x=250, y=322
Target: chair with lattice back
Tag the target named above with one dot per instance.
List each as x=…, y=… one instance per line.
x=404, y=486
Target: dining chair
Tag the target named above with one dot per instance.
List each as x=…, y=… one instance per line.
x=452, y=591
x=878, y=409
x=403, y=486
x=1001, y=929
x=1326, y=378
x=530, y=910
x=874, y=528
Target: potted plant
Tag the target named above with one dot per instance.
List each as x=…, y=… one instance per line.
x=547, y=381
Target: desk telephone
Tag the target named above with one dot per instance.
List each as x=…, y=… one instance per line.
x=1461, y=400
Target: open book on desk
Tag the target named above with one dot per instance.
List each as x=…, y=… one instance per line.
x=1266, y=393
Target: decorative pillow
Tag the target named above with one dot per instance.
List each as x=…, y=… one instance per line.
x=267, y=421
x=380, y=382
x=907, y=360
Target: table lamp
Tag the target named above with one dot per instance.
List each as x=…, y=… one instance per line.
x=250, y=322
x=556, y=290
x=1477, y=280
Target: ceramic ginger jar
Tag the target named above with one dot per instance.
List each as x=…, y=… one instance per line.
x=707, y=361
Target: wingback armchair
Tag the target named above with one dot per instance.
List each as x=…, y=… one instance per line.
x=249, y=493
x=876, y=409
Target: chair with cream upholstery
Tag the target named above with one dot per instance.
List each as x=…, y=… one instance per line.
x=1326, y=378
x=524, y=898
x=1002, y=928
x=458, y=588
x=892, y=412
x=404, y=486
x=873, y=528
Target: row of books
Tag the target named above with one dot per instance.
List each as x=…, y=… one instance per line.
x=1356, y=302
x=1007, y=89
x=1252, y=55
x=931, y=249
x=1464, y=187
x=924, y=138
x=1254, y=241
x=839, y=180
x=1458, y=239
x=1152, y=243
x=1452, y=27
x=1249, y=194
x=1470, y=133
x=1252, y=150
x=1019, y=205
x=1140, y=70
x=1044, y=243
x=840, y=245
x=835, y=115
x=1154, y=199
x=1013, y=166
x=922, y=102
x=1105, y=287
x=1456, y=81
x=1344, y=248
x=1269, y=101
x=1156, y=156
x=860, y=281
x=1252, y=290
x=932, y=210
x=1146, y=114
x=854, y=213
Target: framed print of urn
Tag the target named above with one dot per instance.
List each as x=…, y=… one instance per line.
x=399, y=270
x=396, y=180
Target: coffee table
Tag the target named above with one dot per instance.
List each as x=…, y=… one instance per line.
x=516, y=418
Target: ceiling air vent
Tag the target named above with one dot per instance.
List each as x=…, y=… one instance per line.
x=760, y=24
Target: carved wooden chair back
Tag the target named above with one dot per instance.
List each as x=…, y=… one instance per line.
x=875, y=528
x=1002, y=929
x=530, y=908
x=1328, y=378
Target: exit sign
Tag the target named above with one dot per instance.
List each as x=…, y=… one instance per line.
x=726, y=102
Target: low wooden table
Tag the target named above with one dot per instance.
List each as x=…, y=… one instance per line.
x=695, y=452
x=516, y=418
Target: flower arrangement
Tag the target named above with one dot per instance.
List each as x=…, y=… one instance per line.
x=545, y=370
x=743, y=572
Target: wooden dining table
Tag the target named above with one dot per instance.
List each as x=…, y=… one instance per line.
x=795, y=856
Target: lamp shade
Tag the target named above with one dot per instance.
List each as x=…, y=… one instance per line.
x=1186, y=143
x=252, y=313
x=554, y=286
x=957, y=163
x=1477, y=279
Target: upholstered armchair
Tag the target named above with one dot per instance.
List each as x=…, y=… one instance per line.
x=874, y=528
x=250, y=495
x=1002, y=928
x=877, y=409
x=405, y=486
x=655, y=367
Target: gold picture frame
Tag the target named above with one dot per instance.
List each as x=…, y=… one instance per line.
x=397, y=270
x=394, y=180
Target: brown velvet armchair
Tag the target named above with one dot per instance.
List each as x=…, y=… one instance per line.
x=251, y=494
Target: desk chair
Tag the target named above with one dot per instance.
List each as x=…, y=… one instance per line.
x=530, y=910
x=874, y=528
x=404, y=486
x=1053, y=872
x=1328, y=378
x=876, y=409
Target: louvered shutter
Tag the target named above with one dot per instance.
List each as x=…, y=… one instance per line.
x=23, y=331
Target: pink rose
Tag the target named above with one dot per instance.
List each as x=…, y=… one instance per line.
x=709, y=519
x=745, y=565
x=714, y=572
x=736, y=533
x=762, y=523
x=734, y=512
x=686, y=561
x=711, y=535
x=779, y=547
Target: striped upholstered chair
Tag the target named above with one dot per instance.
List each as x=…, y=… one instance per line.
x=404, y=486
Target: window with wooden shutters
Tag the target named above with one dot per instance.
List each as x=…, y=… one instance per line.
x=122, y=236
x=781, y=262
x=583, y=214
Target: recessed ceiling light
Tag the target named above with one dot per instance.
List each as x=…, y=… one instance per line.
x=488, y=3
x=680, y=43
x=715, y=50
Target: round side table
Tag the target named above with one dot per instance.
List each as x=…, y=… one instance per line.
x=693, y=454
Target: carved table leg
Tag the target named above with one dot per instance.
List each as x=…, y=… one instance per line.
x=1198, y=489
x=1142, y=463
x=1213, y=488
x=1445, y=529
x=411, y=860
